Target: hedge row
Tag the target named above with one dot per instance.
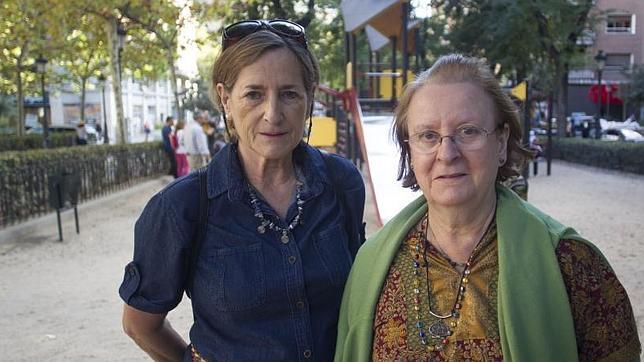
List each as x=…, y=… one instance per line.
x=35, y=141
x=617, y=155
x=25, y=176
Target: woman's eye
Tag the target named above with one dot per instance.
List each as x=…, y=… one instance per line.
x=429, y=136
x=470, y=131
x=290, y=95
x=253, y=95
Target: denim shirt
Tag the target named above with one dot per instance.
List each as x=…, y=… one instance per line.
x=253, y=296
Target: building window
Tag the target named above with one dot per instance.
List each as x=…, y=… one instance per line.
x=618, y=61
x=622, y=23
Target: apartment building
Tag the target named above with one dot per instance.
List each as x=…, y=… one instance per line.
x=143, y=102
x=620, y=35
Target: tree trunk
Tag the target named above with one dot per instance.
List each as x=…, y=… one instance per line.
x=82, y=101
x=561, y=77
x=20, y=103
x=173, y=81
x=112, y=40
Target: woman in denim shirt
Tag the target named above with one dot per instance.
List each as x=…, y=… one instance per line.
x=284, y=221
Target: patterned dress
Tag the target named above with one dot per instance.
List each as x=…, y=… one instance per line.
x=604, y=326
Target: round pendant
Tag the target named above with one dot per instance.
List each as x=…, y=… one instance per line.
x=439, y=330
x=261, y=229
x=284, y=238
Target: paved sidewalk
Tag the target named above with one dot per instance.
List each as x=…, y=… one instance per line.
x=59, y=301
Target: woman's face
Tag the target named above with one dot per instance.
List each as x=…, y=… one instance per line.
x=268, y=106
x=451, y=176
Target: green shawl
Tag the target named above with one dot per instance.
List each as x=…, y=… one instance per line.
x=535, y=321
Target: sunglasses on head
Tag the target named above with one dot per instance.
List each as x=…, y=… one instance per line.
x=284, y=28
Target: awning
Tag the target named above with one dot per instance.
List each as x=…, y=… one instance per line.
x=378, y=40
x=608, y=94
x=357, y=13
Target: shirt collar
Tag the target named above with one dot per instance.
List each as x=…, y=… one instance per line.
x=225, y=172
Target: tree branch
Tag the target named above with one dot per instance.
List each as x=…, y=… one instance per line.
x=306, y=19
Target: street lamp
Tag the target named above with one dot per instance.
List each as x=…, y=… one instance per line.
x=106, y=137
x=41, y=68
x=600, y=59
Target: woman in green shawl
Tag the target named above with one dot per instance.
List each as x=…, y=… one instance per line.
x=469, y=271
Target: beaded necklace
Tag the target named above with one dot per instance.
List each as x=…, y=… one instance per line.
x=267, y=224
x=439, y=331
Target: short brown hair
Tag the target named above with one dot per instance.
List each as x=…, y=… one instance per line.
x=233, y=59
x=456, y=68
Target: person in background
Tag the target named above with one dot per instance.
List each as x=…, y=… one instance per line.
x=99, y=130
x=210, y=132
x=81, y=134
x=146, y=130
x=167, y=145
x=179, y=145
x=469, y=271
x=284, y=220
x=198, y=153
x=219, y=144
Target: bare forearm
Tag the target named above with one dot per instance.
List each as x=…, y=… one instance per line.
x=163, y=344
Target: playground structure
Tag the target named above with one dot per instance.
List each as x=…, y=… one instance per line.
x=373, y=87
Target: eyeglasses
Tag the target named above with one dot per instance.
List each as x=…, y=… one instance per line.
x=467, y=137
x=284, y=28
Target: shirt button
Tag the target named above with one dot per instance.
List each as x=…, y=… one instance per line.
x=307, y=353
x=300, y=305
x=291, y=259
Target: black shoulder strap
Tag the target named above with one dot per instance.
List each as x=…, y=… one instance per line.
x=339, y=190
x=197, y=242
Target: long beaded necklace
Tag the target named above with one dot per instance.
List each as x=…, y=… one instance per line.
x=265, y=224
x=439, y=331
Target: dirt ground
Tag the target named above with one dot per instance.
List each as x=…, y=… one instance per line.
x=59, y=301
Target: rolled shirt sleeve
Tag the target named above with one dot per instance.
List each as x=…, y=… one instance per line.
x=154, y=281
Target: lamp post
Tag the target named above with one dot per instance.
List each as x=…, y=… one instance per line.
x=600, y=59
x=106, y=137
x=41, y=68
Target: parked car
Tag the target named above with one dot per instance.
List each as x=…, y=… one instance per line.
x=581, y=124
x=623, y=134
x=92, y=134
x=52, y=129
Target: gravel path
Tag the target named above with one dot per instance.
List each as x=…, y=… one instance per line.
x=59, y=302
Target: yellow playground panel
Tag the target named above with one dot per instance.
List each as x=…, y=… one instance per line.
x=323, y=132
x=385, y=83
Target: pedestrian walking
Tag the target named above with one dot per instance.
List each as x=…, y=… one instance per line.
x=179, y=145
x=81, y=134
x=198, y=153
x=167, y=146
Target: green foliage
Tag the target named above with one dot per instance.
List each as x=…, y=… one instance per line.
x=24, y=176
x=525, y=37
x=622, y=156
x=322, y=20
x=35, y=141
x=636, y=86
x=8, y=111
x=197, y=99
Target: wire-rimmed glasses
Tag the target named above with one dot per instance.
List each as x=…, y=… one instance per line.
x=467, y=137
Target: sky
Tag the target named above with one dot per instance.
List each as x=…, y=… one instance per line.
x=187, y=62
